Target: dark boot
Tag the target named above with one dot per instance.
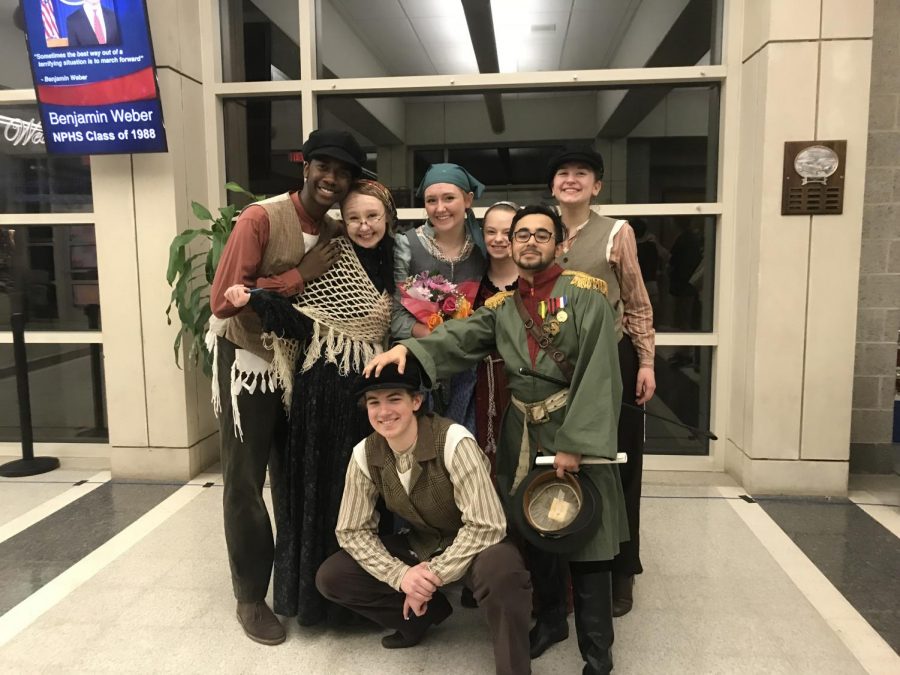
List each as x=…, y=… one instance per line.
x=550, y=580
x=593, y=617
x=410, y=635
x=622, y=594
x=547, y=632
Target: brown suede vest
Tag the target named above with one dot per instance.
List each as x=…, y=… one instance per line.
x=588, y=255
x=430, y=507
x=284, y=251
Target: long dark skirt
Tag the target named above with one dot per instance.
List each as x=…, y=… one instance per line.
x=325, y=424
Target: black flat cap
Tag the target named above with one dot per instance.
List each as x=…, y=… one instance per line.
x=339, y=145
x=390, y=378
x=575, y=153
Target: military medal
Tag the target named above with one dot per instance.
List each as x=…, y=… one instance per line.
x=561, y=314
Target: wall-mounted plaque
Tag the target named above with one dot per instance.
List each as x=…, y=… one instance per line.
x=813, y=178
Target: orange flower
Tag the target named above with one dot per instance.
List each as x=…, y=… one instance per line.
x=434, y=321
x=463, y=309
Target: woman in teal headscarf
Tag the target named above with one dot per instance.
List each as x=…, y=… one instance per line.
x=449, y=243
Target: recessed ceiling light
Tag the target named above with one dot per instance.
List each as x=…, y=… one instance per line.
x=543, y=28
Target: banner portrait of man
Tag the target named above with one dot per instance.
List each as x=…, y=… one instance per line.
x=94, y=23
x=88, y=23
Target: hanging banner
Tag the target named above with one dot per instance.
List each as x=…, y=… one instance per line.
x=95, y=76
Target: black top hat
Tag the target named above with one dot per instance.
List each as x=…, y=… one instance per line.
x=579, y=153
x=390, y=378
x=554, y=514
x=340, y=145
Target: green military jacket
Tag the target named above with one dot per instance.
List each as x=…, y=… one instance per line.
x=588, y=423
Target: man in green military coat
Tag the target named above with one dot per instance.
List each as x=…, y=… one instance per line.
x=571, y=311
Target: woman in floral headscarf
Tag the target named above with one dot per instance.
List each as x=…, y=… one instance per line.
x=449, y=243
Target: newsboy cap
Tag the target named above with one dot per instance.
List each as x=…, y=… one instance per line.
x=390, y=378
x=575, y=153
x=339, y=145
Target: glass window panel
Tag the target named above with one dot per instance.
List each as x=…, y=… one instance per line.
x=683, y=382
x=68, y=400
x=375, y=38
x=31, y=181
x=262, y=145
x=49, y=272
x=659, y=143
x=260, y=40
x=677, y=255
x=15, y=70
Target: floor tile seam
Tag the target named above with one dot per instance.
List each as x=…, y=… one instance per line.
x=52, y=505
x=860, y=638
x=20, y=617
x=886, y=515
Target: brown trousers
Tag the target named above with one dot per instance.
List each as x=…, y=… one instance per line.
x=497, y=577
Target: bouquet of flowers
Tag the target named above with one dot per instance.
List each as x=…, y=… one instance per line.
x=432, y=299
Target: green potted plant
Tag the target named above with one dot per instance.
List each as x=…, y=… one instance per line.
x=193, y=259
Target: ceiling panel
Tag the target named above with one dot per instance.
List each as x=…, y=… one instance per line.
x=413, y=37
x=370, y=9
x=450, y=9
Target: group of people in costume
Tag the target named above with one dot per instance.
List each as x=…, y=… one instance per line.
x=398, y=470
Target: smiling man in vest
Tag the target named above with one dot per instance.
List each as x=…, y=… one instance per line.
x=432, y=473
x=277, y=244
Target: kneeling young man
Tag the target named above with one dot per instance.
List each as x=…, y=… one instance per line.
x=432, y=473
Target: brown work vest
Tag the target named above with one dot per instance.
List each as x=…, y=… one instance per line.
x=430, y=507
x=284, y=251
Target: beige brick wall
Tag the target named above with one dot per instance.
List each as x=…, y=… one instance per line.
x=879, y=268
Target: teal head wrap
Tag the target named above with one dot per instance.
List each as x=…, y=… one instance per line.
x=458, y=176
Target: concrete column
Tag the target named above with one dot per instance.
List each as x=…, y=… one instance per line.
x=160, y=420
x=805, y=75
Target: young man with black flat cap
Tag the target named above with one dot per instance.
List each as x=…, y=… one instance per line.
x=277, y=244
x=431, y=472
x=559, y=325
x=606, y=248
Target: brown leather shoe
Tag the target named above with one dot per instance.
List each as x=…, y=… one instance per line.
x=622, y=594
x=260, y=623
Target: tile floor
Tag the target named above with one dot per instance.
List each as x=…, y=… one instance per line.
x=134, y=578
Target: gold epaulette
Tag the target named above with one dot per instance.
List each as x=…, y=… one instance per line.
x=582, y=280
x=497, y=299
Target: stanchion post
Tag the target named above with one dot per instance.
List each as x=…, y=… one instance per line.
x=29, y=465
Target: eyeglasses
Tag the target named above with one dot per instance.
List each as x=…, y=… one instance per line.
x=541, y=236
x=356, y=221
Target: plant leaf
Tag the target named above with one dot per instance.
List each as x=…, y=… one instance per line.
x=201, y=211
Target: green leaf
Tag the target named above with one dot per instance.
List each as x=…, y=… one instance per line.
x=201, y=211
x=178, y=347
x=178, y=252
x=228, y=213
x=234, y=187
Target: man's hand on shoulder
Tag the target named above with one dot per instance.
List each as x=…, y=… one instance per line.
x=419, y=583
x=319, y=260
